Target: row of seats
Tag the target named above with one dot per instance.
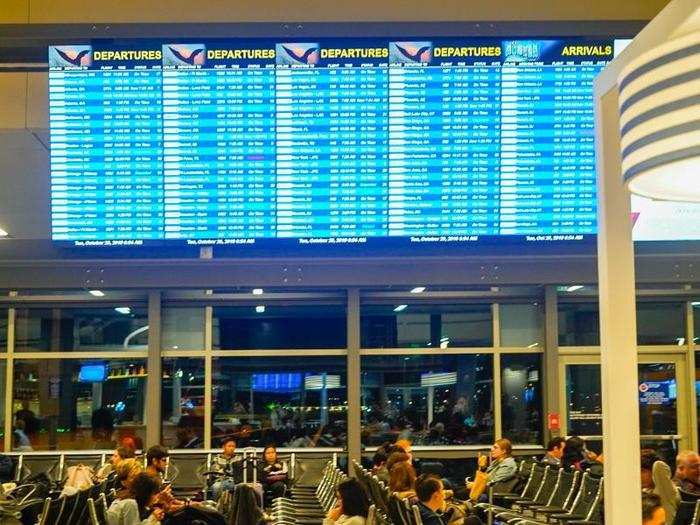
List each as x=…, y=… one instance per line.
x=386, y=508
x=308, y=504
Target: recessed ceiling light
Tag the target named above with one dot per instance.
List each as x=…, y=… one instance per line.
x=258, y=291
x=400, y=308
x=260, y=309
x=418, y=289
x=97, y=293
x=574, y=287
x=123, y=310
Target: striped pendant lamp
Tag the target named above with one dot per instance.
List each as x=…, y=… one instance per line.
x=660, y=121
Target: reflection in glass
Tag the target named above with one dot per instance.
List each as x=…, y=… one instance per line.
x=660, y=323
x=291, y=402
x=522, y=325
x=80, y=404
x=3, y=330
x=521, y=397
x=426, y=325
x=578, y=324
x=66, y=329
x=279, y=327
x=428, y=399
x=583, y=400
x=182, y=328
x=182, y=402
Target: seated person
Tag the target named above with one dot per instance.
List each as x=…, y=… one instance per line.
x=379, y=465
x=108, y=469
x=136, y=504
x=656, y=479
x=652, y=511
x=156, y=465
x=402, y=480
x=431, y=499
x=272, y=475
x=502, y=467
x=230, y=466
x=555, y=451
x=687, y=476
x=352, y=507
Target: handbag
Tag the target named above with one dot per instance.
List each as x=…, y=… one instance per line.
x=478, y=485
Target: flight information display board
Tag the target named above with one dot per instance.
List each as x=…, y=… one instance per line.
x=347, y=141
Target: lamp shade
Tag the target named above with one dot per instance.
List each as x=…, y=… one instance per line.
x=660, y=121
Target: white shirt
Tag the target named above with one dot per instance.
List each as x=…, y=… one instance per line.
x=126, y=512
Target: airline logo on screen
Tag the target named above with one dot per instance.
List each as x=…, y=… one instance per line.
x=411, y=52
x=184, y=55
x=70, y=56
x=296, y=54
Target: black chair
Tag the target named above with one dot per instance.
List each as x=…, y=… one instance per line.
x=97, y=509
x=79, y=515
x=185, y=472
x=547, y=487
x=563, y=497
x=587, y=503
x=687, y=513
x=688, y=496
x=51, y=512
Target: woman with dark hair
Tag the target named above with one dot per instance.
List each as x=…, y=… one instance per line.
x=272, y=474
x=574, y=453
x=134, y=506
x=352, y=507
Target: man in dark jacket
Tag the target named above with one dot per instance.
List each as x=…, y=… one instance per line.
x=431, y=499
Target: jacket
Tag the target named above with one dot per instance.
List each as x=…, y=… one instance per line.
x=501, y=470
x=427, y=516
x=126, y=512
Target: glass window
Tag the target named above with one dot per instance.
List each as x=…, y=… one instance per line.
x=182, y=328
x=279, y=327
x=521, y=397
x=660, y=323
x=522, y=325
x=67, y=329
x=583, y=401
x=289, y=401
x=426, y=325
x=3, y=330
x=182, y=402
x=80, y=404
x=657, y=399
x=429, y=399
x=696, y=322
x=579, y=324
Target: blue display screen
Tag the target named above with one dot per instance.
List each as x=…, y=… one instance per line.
x=276, y=382
x=92, y=373
x=361, y=141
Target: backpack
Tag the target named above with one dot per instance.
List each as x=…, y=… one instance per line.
x=78, y=477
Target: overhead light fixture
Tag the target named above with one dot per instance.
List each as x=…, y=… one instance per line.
x=3, y=233
x=659, y=125
x=260, y=309
x=574, y=287
x=418, y=289
x=123, y=310
x=400, y=308
x=695, y=303
x=258, y=291
x=97, y=293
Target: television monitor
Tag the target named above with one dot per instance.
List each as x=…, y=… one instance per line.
x=368, y=143
x=92, y=373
